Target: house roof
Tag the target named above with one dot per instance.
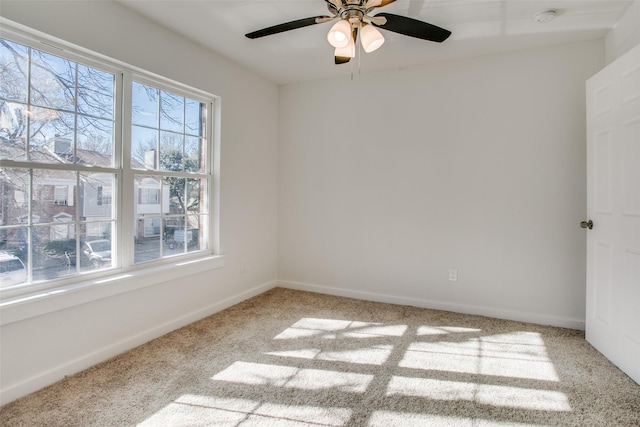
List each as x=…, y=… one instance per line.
x=45, y=154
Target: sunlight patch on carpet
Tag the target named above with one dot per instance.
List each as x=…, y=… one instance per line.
x=333, y=329
x=190, y=409
x=374, y=355
x=484, y=394
x=516, y=355
x=443, y=330
x=292, y=377
x=403, y=419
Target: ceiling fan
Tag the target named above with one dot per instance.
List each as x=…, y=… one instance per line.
x=354, y=19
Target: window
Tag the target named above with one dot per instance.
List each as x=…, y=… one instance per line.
x=60, y=195
x=168, y=153
x=141, y=193
x=149, y=196
x=103, y=196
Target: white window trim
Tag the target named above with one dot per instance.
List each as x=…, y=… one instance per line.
x=41, y=298
x=53, y=299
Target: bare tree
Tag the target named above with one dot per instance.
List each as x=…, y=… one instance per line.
x=65, y=99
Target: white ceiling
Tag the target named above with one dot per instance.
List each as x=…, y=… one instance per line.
x=479, y=27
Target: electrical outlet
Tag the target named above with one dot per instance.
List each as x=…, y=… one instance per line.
x=453, y=274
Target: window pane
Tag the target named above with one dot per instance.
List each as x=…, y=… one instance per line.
x=203, y=239
x=14, y=66
x=13, y=127
x=95, y=252
x=182, y=237
x=196, y=188
x=16, y=241
x=97, y=200
x=144, y=146
x=148, y=197
x=167, y=212
x=53, y=81
x=175, y=188
x=170, y=225
x=144, y=106
x=95, y=92
x=49, y=245
x=53, y=204
x=47, y=124
x=187, y=236
x=195, y=226
x=51, y=135
x=14, y=257
x=98, y=230
x=14, y=197
x=193, y=154
x=95, y=141
x=147, y=235
x=171, y=112
x=47, y=184
x=194, y=118
x=171, y=151
x=179, y=117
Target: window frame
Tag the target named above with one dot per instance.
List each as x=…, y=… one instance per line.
x=124, y=266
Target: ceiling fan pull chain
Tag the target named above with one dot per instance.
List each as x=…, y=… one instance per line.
x=351, y=70
x=359, y=43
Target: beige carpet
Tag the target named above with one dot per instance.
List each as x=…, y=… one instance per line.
x=290, y=358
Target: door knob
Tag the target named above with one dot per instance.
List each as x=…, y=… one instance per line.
x=587, y=224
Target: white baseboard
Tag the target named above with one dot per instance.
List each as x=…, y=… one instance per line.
x=56, y=374
x=540, y=319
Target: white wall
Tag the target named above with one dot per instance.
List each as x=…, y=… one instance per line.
x=387, y=181
x=40, y=350
x=625, y=35
x=384, y=183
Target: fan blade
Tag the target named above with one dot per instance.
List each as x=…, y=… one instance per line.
x=378, y=20
x=287, y=26
x=413, y=28
x=336, y=3
x=323, y=19
x=341, y=59
x=377, y=3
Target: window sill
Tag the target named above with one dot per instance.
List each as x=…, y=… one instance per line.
x=47, y=301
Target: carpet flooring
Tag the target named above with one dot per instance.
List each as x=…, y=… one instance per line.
x=291, y=358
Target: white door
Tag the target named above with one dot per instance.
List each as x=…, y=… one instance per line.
x=613, y=204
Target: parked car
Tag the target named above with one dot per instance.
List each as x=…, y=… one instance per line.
x=94, y=252
x=12, y=270
x=98, y=252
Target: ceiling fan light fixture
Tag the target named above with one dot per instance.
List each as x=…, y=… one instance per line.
x=349, y=51
x=371, y=38
x=354, y=25
x=340, y=34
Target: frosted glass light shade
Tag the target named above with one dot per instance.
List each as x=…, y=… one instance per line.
x=349, y=51
x=371, y=38
x=340, y=34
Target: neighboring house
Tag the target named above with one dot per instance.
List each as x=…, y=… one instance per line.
x=147, y=206
x=55, y=194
